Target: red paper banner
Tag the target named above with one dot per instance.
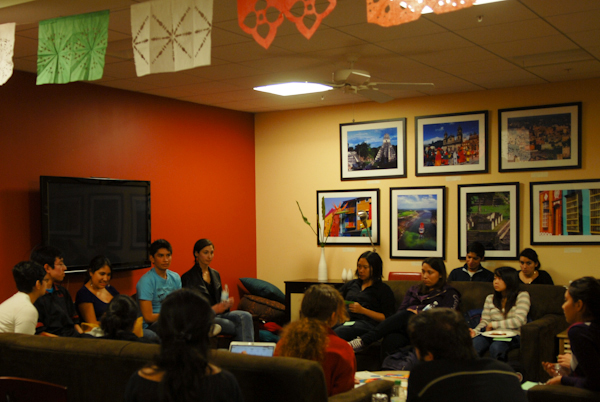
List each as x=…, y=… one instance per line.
x=395, y=12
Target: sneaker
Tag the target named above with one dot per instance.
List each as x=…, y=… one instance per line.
x=215, y=330
x=357, y=344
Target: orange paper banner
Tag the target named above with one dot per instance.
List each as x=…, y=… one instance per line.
x=395, y=12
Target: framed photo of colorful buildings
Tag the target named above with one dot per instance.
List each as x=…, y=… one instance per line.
x=340, y=213
x=540, y=137
x=489, y=214
x=417, y=222
x=373, y=149
x=451, y=143
x=565, y=212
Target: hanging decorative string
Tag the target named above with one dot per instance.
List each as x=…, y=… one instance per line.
x=395, y=12
x=261, y=18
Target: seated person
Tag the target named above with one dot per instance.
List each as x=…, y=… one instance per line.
x=182, y=370
x=530, y=273
x=120, y=319
x=505, y=309
x=449, y=369
x=94, y=296
x=17, y=313
x=57, y=313
x=206, y=280
x=582, y=311
x=433, y=292
x=155, y=285
x=472, y=271
x=311, y=338
x=373, y=300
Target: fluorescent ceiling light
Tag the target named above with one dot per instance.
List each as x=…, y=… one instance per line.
x=428, y=10
x=293, y=88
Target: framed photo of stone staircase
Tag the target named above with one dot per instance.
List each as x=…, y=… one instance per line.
x=373, y=149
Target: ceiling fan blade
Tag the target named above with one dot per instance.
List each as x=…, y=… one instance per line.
x=401, y=85
x=375, y=95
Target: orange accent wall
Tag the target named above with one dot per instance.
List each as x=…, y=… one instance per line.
x=199, y=160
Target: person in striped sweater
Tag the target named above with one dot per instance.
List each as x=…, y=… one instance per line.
x=504, y=310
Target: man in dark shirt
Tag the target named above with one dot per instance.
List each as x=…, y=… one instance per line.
x=57, y=313
x=472, y=271
x=449, y=368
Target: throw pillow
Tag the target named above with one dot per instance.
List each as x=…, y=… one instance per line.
x=265, y=309
x=264, y=289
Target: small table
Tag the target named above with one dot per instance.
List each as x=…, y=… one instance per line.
x=292, y=308
x=564, y=346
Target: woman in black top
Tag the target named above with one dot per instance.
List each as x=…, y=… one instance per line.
x=530, y=273
x=371, y=300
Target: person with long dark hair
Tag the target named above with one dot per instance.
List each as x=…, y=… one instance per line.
x=95, y=294
x=505, y=309
x=311, y=337
x=372, y=300
x=432, y=292
x=530, y=273
x=182, y=372
x=582, y=311
x=119, y=320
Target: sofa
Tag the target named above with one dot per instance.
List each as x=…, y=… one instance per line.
x=97, y=370
x=538, y=337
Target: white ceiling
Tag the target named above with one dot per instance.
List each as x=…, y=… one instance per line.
x=497, y=45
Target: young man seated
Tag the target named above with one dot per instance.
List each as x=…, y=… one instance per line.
x=472, y=271
x=449, y=368
x=57, y=313
x=17, y=313
x=158, y=283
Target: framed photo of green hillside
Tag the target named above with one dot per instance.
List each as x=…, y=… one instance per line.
x=373, y=149
x=418, y=222
x=489, y=214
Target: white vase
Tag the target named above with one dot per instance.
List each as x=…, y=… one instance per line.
x=322, y=273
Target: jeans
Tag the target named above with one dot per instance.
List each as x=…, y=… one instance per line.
x=349, y=332
x=498, y=349
x=237, y=323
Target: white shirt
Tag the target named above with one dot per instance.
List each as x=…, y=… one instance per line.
x=18, y=315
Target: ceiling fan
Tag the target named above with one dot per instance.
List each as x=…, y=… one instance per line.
x=357, y=81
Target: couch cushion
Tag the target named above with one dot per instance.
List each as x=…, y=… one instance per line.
x=264, y=289
x=265, y=309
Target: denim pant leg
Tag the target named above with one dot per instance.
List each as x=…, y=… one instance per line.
x=499, y=349
x=396, y=323
x=237, y=323
x=349, y=332
x=481, y=344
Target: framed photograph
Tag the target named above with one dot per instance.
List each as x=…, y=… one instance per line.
x=540, y=137
x=451, y=143
x=565, y=212
x=417, y=222
x=489, y=214
x=373, y=149
x=340, y=213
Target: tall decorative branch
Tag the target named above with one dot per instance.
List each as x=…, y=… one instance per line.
x=318, y=232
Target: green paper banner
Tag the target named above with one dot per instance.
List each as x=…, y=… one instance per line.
x=72, y=48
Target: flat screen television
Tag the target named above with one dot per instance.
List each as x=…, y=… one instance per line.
x=86, y=217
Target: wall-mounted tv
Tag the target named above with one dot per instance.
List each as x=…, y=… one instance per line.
x=85, y=217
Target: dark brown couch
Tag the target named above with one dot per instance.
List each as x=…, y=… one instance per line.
x=96, y=370
x=538, y=337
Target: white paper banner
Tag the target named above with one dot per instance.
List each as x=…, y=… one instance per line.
x=7, y=46
x=171, y=35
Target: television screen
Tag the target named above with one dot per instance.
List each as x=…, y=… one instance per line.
x=88, y=217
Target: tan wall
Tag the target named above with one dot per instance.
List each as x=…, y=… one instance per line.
x=298, y=153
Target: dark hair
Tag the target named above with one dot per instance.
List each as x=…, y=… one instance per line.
x=375, y=263
x=120, y=316
x=510, y=276
x=46, y=255
x=321, y=301
x=97, y=262
x=158, y=244
x=532, y=255
x=438, y=265
x=587, y=289
x=200, y=244
x=476, y=248
x=26, y=274
x=443, y=332
x=184, y=324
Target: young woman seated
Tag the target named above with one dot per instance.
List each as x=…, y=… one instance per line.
x=119, y=320
x=181, y=371
x=311, y=338
x=582, y=311
x=433, y=292
x=93, y=298
x=504, y=310
x=373, y=300
x=530, y=273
